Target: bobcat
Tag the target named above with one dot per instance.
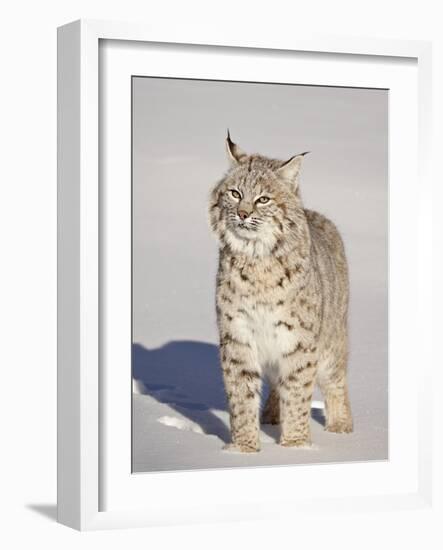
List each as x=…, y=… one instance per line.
x=281, y=300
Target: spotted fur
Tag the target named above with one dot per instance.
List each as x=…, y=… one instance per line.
x=282, y=300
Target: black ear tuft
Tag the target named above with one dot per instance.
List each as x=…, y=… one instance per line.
x=235, y=154
x=228, y=138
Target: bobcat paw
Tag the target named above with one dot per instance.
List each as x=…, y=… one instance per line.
x=339, y=426
x=241, y=448
x=284, y=442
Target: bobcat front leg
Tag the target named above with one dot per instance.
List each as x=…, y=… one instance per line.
x=242, y=383
x=296, y=388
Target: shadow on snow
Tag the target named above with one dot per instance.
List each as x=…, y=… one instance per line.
x=186, y=375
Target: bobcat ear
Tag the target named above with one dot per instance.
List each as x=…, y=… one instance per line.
x=290, y=169
x=235, y=154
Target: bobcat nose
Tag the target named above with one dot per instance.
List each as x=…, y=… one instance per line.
x=243, y=214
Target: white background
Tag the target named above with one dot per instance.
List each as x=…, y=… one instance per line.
x=28, y=272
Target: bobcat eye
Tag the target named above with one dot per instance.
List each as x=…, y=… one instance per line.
x=263, y=200
x=235, y=194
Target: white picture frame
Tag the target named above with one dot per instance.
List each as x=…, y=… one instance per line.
x=85, y=471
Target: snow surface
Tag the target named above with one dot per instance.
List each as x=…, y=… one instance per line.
x=180, y=418
x=181, y=424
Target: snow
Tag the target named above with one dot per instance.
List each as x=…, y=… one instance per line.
x=180, y=418
x=181, y=424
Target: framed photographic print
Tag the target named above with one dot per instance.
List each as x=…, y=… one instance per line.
x=241, y=262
